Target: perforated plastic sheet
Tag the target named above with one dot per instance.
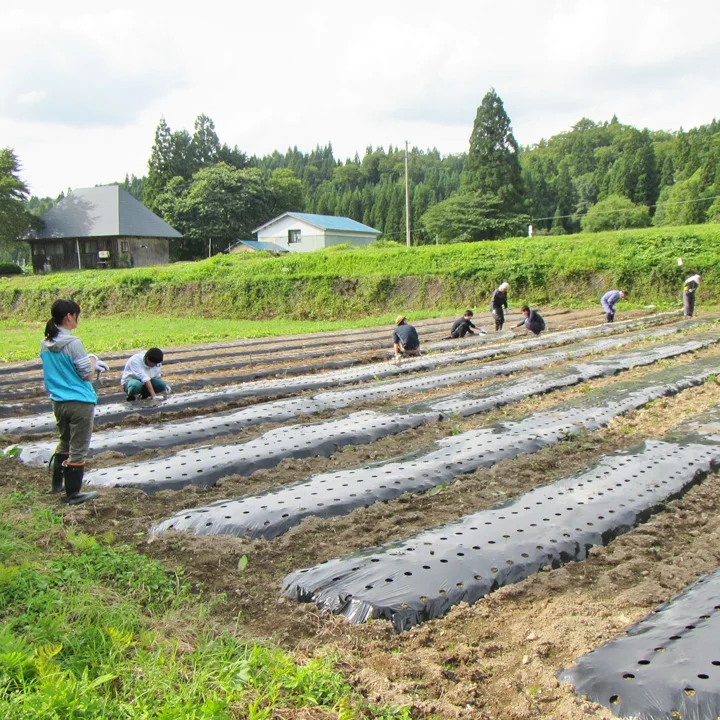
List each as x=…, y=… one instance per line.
x=30, y=385
x=111, y=413
x=133, y=440
x=204, y=466
x=209, y=464
x=22, y=389
x=293, y=345
x=666, y=666
x=274, y=512
x=422, y=577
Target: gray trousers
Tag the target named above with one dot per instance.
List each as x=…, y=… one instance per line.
x=74, y=422
x=689, y=303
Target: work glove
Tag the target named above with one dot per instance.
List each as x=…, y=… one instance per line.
x=99, y=364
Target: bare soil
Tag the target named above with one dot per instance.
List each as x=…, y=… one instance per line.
x=496, y=659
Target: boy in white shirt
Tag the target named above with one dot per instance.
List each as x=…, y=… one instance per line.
x=141, y=376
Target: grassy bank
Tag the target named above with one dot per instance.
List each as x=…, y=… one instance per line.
x=92, y=629
x=342, y=283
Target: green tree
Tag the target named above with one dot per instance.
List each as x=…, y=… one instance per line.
x=492, y=167
x=220, y=205
x=15, y=218
x=205, y=142
x=615, y=213
x=469, y=217
x=285, y=192
x=684, y=203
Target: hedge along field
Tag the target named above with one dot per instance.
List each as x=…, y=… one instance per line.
x=342, y=282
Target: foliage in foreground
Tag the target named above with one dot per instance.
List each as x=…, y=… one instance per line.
x=92, y=629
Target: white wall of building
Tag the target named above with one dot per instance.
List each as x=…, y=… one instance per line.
x=311, y=236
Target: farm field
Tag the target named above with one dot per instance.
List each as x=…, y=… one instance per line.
x=273, y=460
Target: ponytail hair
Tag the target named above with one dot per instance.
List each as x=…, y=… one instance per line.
x=59, y=309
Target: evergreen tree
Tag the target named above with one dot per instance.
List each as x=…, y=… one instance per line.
x=159, y=164
x=205, y=142
x=15, y=219
x=492, y=167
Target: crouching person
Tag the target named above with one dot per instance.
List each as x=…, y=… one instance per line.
x=141, y=376
x=67, y=373
x=533, y=321
x=405, y=339
x=609, y=300
x=464, y=326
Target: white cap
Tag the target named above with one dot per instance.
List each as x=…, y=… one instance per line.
x=504, y=286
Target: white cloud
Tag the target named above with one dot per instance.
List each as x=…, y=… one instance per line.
x=31, y=97
x=95, y=80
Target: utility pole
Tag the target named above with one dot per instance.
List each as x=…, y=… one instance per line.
x=407, y=198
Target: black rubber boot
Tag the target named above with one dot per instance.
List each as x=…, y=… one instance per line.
x=56, y=468
x=73, y=483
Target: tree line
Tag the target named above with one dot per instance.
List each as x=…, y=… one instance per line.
x=596, y=176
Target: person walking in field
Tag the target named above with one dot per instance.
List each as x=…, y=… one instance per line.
x=497, y=303
x=141, y=376
x=67, y=372
x=464, y=326
x=689, y=288
x=533, y=320
x=608, y=301
x=405, y=339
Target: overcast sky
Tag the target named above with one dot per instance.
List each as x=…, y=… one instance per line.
x=83, y=84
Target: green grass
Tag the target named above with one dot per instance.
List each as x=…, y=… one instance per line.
x=20, y=340
x=359, y=282
x=92, y=629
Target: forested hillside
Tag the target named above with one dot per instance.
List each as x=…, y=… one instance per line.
x=598, y=176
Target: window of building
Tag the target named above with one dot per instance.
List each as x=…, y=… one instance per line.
x=124, y=247
x=90, y=246
x=55, y=248
x=293, y=236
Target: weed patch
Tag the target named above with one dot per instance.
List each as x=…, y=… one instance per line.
x=93, y=629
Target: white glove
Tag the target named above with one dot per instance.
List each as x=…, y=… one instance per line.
x=99, y=364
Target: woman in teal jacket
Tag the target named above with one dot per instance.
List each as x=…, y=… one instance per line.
x=67, y=372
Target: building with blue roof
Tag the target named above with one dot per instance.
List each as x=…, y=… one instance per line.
x=304, y=232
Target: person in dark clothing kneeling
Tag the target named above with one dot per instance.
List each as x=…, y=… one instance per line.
x=533, y=321
x=405, y=338
x=464, y=326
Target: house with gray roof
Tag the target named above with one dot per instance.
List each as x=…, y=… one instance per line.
x=303, y=232
x=100, y=227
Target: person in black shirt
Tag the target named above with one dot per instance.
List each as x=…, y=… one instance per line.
x=689, y=288
x=498, y=301
x=405, y=338
x=464, y=326
x=533, y=320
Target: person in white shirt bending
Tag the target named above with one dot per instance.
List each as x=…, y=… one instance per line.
x=141, y=376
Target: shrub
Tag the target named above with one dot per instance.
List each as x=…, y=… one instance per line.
x=615, y=213
x=7, y=268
